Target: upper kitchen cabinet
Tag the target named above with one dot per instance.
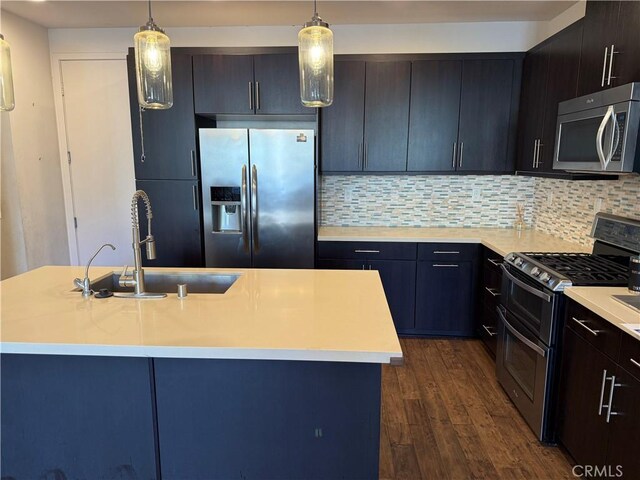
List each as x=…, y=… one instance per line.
x=463, y=115
x=367, y=131
x=169, y=135
x=247, y=84
x=435, y=110
x=342, y=124
x=610, y=45
x=550, y=76
x=386, y=116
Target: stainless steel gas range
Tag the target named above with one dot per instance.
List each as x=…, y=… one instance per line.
x=532, y=313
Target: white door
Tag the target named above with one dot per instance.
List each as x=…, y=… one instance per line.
x=98, y=130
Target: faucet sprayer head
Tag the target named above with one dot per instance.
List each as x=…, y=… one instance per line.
x=151, y=247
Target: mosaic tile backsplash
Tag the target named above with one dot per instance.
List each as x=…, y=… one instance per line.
x=559, y=207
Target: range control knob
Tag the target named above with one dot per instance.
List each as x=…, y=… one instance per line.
x=535, y=271
x=518, y=261
x=545, y=277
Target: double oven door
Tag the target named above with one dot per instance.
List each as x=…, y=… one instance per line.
x=525, y=355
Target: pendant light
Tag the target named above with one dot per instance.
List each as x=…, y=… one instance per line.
x=153, y=66
x=7, y=100
x=315, y=60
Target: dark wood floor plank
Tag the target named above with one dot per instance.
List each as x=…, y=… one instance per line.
x=445, y=416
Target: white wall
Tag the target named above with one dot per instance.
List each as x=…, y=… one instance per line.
x=33, y=224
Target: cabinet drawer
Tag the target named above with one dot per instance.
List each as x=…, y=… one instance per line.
x=488, y=329
x=450, y=252
x=491, y=278
x=594, y=329
x=630, y=354
x=368, y=250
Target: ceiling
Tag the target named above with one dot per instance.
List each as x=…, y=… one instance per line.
x=186, y=13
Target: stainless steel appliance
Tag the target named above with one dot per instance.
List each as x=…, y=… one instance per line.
x=599, y=132
x=258, y=193
x=532, y=313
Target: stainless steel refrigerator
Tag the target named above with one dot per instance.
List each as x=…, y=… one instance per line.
x=258, y=191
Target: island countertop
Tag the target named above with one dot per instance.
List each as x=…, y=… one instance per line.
x=314, y=315
x=500, y=240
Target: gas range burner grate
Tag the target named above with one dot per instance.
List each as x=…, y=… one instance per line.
x=584, y=268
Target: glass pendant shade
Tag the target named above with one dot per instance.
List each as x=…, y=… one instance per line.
x=315, y=58
x=7, y=100
x=153, y=67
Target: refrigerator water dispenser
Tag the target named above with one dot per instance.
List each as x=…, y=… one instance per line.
x=226, y=210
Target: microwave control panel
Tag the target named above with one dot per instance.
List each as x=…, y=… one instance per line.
x=621, y=121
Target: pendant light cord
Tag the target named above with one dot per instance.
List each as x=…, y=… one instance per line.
x=315, y=8
x=150, y=17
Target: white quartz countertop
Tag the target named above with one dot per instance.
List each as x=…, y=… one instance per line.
x=600, y=301
x=500, y=240
x=315, y=315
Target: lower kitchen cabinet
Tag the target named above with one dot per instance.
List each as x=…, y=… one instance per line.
x=486, y=325
x=398, y=279
x=444, y=301
x=599, y=420
x=176, y=222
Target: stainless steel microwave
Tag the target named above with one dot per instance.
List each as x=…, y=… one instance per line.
x=598, y=133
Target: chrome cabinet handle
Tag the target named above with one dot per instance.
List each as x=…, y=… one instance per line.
x=604, y=382
x=492, y=291
x=491, y=334
x=495, y=262
x=257, y=95
x=519, y=336
x=461, y=152
x=637, y=364
x=195, y=197
x=535, y=149
x=538, y=153
x=455, y=149
x=604, y=66
x=243, y=206
x=444, y=252
x=366, y=251
x=194, y=171
x=250, y=95
x=524, y=286
x=444, y=265
x=610, y=406
x=609, y=77
x=582, y=324
x=365, y=156
x=360, y=154
x=254, y=207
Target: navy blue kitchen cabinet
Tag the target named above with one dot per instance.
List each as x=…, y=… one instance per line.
x=246, y=419
x=176, y=224
x=76, y=417
x=169, y=135
x=395, y=262
x=445, y=289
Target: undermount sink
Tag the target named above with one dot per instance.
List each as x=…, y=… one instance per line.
x=167, y=282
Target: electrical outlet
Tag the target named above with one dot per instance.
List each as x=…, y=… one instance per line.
x=475, y=195
x=348, y=194
x=598, y=205
x=550, y=199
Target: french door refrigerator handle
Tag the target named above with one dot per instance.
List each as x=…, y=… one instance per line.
x=604, y=66
x=243, y=205
x=254, y=208
x=524, y=286
x=519, y=336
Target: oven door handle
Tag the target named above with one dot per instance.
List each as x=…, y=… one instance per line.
x=519, y=336
x=524, y=286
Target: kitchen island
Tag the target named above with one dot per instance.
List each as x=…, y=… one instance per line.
x=279, y=377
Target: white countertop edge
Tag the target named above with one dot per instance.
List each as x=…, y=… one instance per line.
x=403, y=239
x=199, y=353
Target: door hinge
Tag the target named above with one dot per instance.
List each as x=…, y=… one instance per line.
x=69, y=157
x=75, y=222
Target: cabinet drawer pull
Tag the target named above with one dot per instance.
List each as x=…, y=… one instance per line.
x=609, y=77
x=455, y=150
x=366, y=251
x=445, y=252
x=604, y=382
x=193, y=163
x=446, y=265
x=582, y=324
x=257, y=95
x=637, y=364
x=492, y=291
x=610, y=406
x=491, y=334
x=461, y=152
x=195, y=197
x=495, y=262
x=250, y=95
